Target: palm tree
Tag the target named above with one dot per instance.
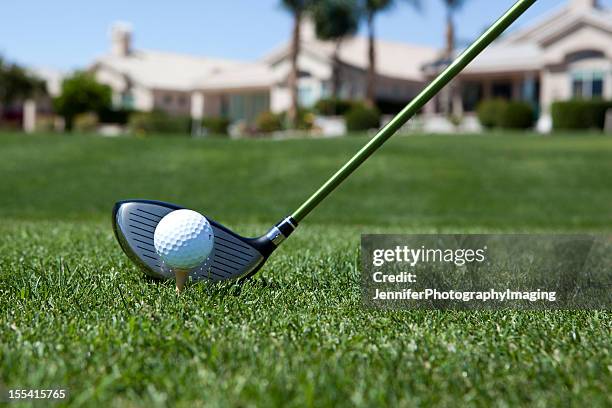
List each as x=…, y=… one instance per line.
x=452, y=6
x=297, y=8
x=371, y=9
x=335, y=20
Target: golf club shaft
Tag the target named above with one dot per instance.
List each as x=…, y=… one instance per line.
x=414, y=106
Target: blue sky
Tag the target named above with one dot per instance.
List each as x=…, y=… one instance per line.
x=67, y=34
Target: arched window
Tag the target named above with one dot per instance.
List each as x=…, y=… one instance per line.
x=587, y=72
x=583, y=55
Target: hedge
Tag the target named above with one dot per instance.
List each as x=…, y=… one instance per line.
x=268, y=122
x=216, y=125
x=362, y=117
x=517, y=115
x=333, y=106
x=489, y=111
x=505, y=114
x=305, y=119
x=85, y=122
x=159, y=122
x=115, y=116
x=580, y=114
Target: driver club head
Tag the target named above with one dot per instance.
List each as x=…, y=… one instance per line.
x=233, y=256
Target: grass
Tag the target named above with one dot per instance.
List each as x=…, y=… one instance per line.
x=74, y=313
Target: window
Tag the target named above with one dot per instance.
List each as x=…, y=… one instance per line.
x=167, y=99
x=587, y=85
x=325, y=89
x=502, y=90
x=304, y=74
x=247, y=106
x=597, y=88
x=578, y=88
x=127, y=100
x=306, y=95
x=471, y=95
x=225, y=108
x=583, y=55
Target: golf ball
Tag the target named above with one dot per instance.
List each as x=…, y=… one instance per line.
x=183, y=239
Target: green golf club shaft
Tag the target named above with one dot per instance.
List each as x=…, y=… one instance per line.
x=414, y=106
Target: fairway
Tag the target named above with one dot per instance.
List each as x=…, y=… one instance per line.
x=76, y=314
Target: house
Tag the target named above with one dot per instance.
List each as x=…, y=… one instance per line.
x=152, y=80
x=180, y=84
x=565, y=55
x=242, y=92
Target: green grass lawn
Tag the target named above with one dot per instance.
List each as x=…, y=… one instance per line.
x=75, y=314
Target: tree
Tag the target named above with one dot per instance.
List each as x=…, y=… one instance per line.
x=81, y=93
x=17, y=84
x=334, y=20
x=371, y=9
x=452, y=6
x=297, y=8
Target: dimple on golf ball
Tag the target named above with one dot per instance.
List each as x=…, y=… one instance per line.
x=183, y=239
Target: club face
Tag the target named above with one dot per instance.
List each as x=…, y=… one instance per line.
x=233, y=256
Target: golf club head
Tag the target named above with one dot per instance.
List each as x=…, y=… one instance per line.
x=233, y=256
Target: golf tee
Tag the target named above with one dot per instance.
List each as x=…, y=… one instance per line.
x=181, y=276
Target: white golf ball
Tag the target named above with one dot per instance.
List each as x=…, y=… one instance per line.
x=183, y=239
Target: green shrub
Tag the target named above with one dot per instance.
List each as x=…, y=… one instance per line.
x=305, y=119
x=216, y=125
x=489, y=111
x=85, y=122
x=516, y=115
x=268, y=122
x=115, y=116
x=333, y=106
x=159, y=122
x=362, y=117
x=505, y=114
x=45, y=124
x=580, y=114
